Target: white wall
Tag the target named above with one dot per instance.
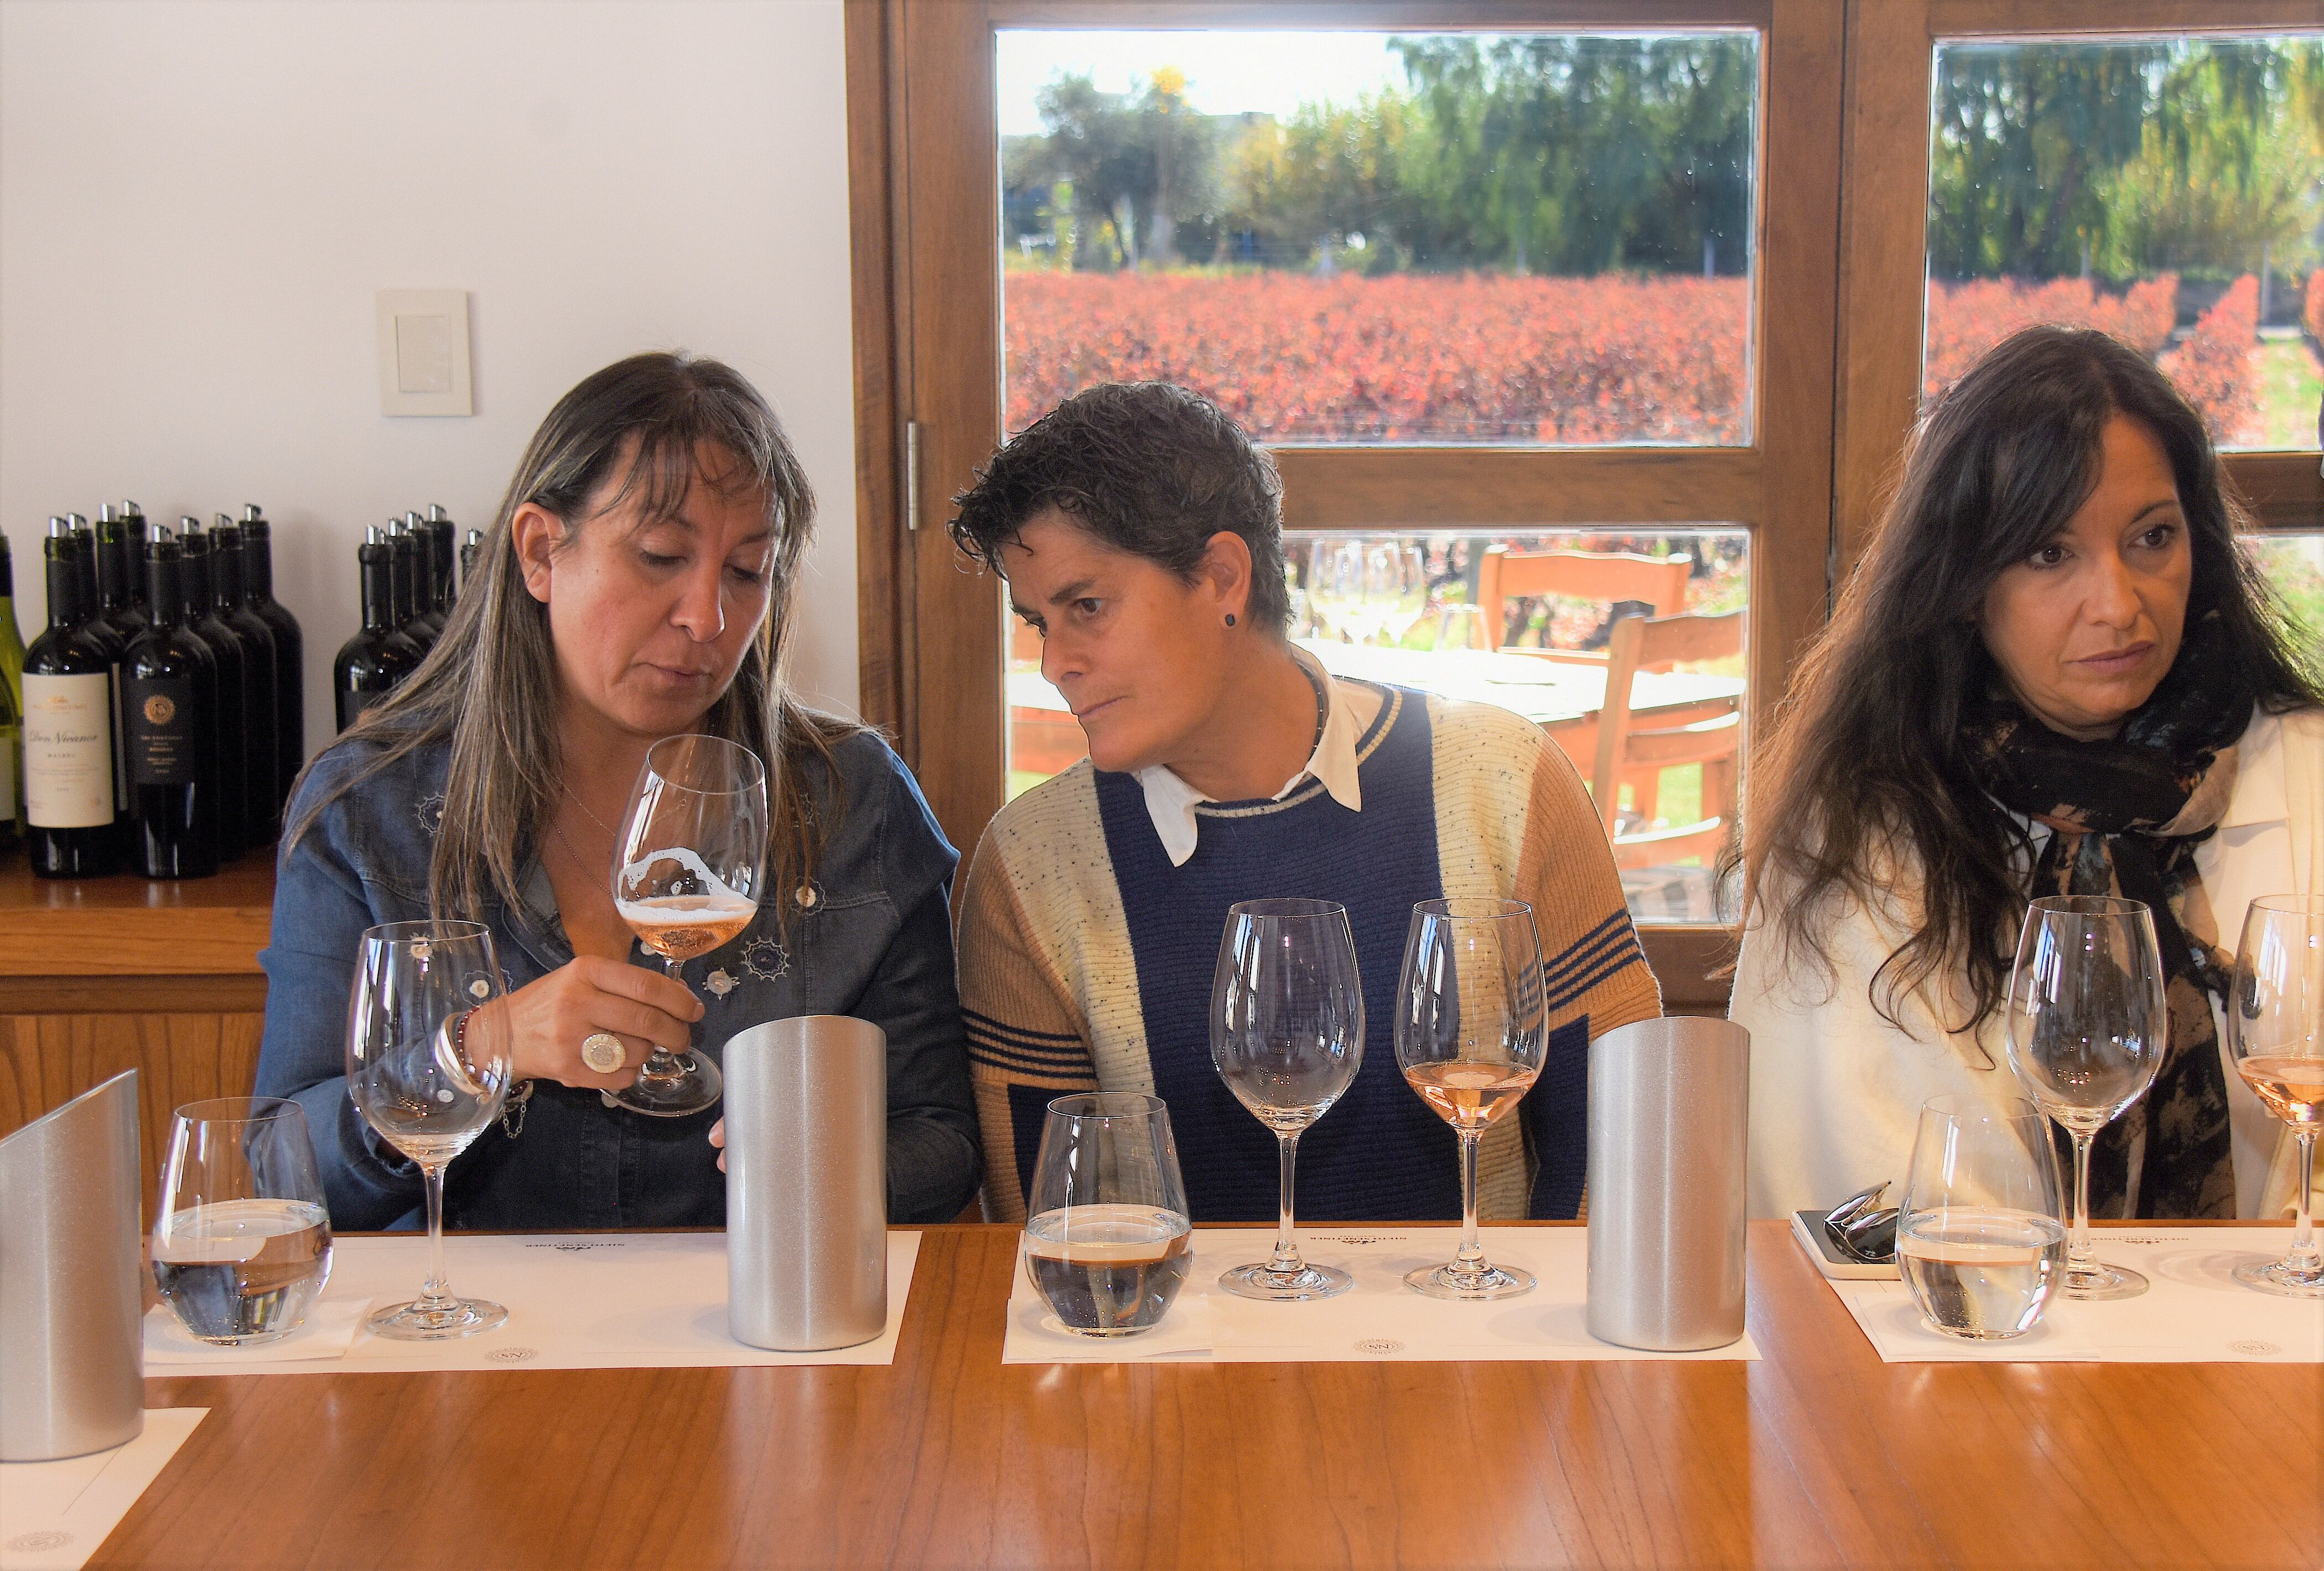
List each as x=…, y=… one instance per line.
x=198, y=198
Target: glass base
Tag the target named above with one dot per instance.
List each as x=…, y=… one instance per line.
x=1450, y=1281
x=695, y=1085
x=419, y=1321
x=2284, y=1278
x=1260, y=1280
x=2103, y=1281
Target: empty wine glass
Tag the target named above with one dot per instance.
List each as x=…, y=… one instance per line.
x=1107, y=1240
x=2276, y=1029
x=1471, y=1028
x=690, y=858
x=428, y=1066
x=1979, y=1242
x=1460, y=627
x=240, y=1241
x=1396, y=581
x=1335, y=589
x=2086, y=1028
x=1287, y=1036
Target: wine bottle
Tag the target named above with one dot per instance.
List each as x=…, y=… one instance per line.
x=132, y=521
x=370, y=664
x=441, y=535
x=289, y=648
x=69, y=730
x=407, y=570
x=170, y=701
x=12, y=708
x=231, y=711
x=265, y=812
x=468, y=549
x=90, y=552
x=119, y=560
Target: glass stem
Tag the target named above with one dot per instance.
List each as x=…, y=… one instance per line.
x=1471, y=1260
x=436, y=1293
x=1286, y=1249
x=2304, y=1260
x=2081, y=1260
x=661, y=1064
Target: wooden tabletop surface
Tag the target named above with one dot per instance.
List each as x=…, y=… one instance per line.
x=1819, y=1454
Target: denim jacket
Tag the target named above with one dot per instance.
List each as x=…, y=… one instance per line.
x=872, y=938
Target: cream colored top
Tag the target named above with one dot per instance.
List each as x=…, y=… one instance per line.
x=1836, y=1090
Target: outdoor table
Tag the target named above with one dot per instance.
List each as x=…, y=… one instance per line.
x=1818, y=1455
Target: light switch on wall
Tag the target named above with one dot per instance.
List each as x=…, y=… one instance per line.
x=423, y=352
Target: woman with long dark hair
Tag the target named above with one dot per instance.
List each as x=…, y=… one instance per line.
x=637, y=584
x=2053, y=673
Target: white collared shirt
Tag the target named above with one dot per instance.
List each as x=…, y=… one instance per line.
x=1349, y=710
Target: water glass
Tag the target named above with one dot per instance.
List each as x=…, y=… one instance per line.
x=2276, y=1029
x=1287, y=1037
x=428, y=1067
x=242, y=1244
x=2087, y=1024
x=1472, y=1024
x=1979, y=1242
x=1108, y=1242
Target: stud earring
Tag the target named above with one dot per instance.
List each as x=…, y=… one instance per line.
x=1230, y=618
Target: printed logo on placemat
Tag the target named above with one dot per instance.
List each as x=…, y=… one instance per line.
x=1382, y=1345
x=2253, y=1348
x=38, y=1543
x=575, y=1246
x=1359, y=1239
x=513, y=1354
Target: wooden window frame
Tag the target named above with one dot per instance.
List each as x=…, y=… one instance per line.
x=1838, y=263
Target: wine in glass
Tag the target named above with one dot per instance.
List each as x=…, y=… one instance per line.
x=689, y=862
x=428, y=1066
x=1287, y=1037
x=1471, y=1028
x=2276, y=1029
x=1979, y=1242
x=2086, y=1029
x=1107, y=1240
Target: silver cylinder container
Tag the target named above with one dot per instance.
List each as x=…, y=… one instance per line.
x=1669, y=1101
x=72, y=1354
x=807, y=1183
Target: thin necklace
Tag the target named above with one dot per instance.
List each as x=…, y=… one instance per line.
x=583, y=806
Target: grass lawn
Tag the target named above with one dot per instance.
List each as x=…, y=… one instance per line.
x=2290, y=384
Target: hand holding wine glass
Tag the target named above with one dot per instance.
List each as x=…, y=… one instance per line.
x=690, y=861
x=1287, y=1037
x=2276, y=1029
x=428, y=1066
x=2087, y=1025
x=1470, y=1029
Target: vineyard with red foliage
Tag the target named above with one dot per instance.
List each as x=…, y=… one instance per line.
x=1480, y=357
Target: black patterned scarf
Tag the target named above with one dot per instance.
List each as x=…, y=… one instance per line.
x=2126, y=815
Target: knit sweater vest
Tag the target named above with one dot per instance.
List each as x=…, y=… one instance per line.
x=1087, y=961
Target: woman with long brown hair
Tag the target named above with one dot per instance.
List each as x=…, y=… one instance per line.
x=2053, y=673
x=637, y=584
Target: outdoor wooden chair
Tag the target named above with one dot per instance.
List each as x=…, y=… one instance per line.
x=1709, y=733
x=1659, y=582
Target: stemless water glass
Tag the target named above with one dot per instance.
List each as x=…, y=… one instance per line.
x=1107, y=1240
x=241, y=1241
x=1979, y=1242
x=1287, y=1037
x=2085, y=1026
x=1471, y=1028
x=2275, y=1028
x=1395, y=580
x=688, y=866
x=427, y=1066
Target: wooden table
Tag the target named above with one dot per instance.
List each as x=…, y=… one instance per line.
x=1818, y=1456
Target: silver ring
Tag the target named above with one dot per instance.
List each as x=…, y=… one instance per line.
x=602, y=1052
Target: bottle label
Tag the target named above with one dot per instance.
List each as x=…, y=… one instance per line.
x=69, y=751
x=162, y=719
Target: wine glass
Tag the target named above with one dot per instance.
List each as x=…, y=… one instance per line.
x=1335, y=589
x=240, y=1241
x=1396, y=582
x=2275, y=1028
x=1979, y=1242
x=1287, y=1036
x=427, y=1066
x=1108, y=1243
x=1461, y=626
x=689, y=861
x=2087, y=1027
x=1472, y=1024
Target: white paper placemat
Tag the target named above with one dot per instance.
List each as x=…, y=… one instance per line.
x=53, y=1515
x=2194, y=1311
x=635, y=1301
x=1378, y=1320
x=327, y=1332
